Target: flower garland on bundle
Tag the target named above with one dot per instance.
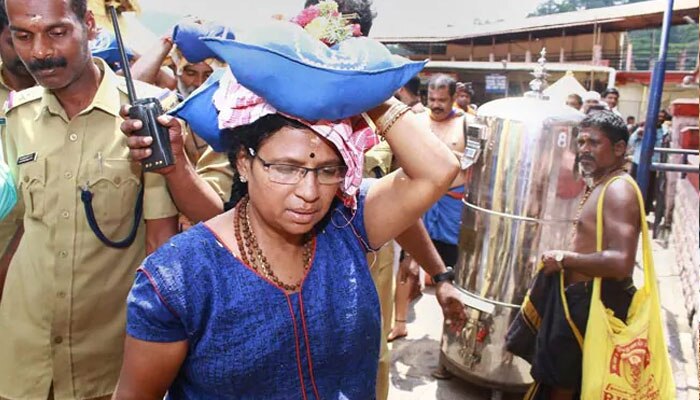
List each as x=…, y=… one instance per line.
x=324, y=22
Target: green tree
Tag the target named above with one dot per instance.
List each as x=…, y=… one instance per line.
x=682, y=43
x=559, y=6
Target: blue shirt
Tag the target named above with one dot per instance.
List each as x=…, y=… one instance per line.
x=248, y=338
x=635, y=142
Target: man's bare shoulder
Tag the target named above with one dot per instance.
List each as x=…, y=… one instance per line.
x=621, y=199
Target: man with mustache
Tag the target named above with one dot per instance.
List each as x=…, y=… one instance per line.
x=62, y=313
x=602, y=144
x=450, y=126
x=13, y=76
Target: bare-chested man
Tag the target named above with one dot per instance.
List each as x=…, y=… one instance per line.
x=602, y=142
x=443, y=219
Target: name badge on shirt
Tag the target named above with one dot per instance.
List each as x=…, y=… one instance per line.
x=26, y=158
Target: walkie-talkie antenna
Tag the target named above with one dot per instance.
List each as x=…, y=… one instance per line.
x=131, y=91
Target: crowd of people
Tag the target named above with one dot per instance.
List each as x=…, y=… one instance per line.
x=261, y=271
x=70, y=277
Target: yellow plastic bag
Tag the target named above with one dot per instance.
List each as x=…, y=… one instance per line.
x=627, y=361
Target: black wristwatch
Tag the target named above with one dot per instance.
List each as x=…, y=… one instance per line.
x=448, y=275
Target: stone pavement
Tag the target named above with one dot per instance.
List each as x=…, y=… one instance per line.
x=414, y=357
x=680, y=341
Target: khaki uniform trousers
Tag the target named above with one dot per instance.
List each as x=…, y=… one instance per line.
x=381, y=267
x=50, y=396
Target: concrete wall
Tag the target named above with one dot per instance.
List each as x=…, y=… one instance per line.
x=684, y=238
x=634, y=98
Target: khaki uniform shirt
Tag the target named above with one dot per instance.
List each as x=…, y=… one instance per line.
x=9, y=225
x=214, y=168
x=62, y=316
x=380, y=156
x=210, y=165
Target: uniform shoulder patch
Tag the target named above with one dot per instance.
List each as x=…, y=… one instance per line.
x=16, y=99
x=168, y=98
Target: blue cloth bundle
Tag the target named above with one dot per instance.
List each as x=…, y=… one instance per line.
x=187, y=37
x=301, y=76
x=105, y=47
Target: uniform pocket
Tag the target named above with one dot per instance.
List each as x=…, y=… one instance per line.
x=32, y=186
x=115, y=185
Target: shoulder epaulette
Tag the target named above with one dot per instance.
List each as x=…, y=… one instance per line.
x=16, y=99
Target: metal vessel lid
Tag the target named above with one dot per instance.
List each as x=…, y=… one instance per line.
x=539, y=84
x=531, y=111
x=535, y=107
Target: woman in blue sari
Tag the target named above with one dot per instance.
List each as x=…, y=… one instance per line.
x=273, y=299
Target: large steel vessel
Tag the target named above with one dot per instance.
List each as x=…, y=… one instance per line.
x=520, y=200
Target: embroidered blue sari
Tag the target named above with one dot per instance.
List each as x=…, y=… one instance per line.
x=248, y=338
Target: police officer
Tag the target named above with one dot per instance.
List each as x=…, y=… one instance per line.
x=62, y=314
x=13, y=76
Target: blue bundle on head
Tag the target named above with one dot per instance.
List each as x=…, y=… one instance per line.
x=301, y=76
x=105, y=47
x=187, y=37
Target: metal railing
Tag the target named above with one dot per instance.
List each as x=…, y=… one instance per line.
x=660, y=186
x=669, y=167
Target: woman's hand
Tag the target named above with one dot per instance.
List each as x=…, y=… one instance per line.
x=452, y=307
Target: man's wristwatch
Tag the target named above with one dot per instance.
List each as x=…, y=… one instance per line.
x=448, y=275
x=559, y=258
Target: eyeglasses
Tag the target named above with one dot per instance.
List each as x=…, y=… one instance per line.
x=286, y=174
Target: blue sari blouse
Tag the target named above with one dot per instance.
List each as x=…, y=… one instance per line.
x=248, y=338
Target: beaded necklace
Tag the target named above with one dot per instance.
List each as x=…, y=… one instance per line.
x=253, y=256
x=587, y=194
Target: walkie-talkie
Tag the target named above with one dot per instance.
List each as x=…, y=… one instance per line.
x=145, y=110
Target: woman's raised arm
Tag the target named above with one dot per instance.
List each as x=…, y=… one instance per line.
x=428, y=167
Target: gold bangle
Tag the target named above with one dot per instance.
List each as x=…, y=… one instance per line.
x=389, y=118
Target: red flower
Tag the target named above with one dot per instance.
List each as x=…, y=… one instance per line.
x=306, y=15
